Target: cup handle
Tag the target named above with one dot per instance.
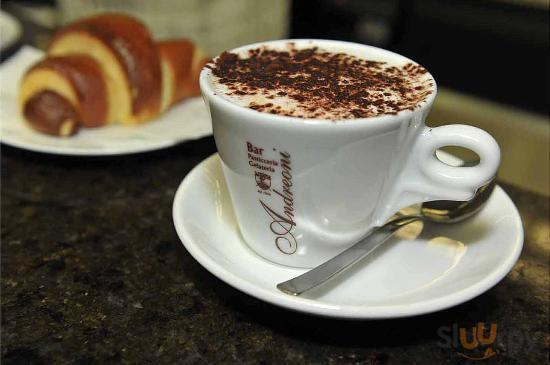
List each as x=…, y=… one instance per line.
x=426, y=178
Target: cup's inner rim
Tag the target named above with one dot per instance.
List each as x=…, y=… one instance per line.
x=206, y=76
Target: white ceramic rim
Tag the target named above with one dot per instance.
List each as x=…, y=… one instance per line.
x=279, y=119
x=348, y=312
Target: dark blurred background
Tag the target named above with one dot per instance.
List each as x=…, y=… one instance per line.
x=489, y=57
x=494, y=49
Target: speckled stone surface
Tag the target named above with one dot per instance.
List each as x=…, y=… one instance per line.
x=94, y=273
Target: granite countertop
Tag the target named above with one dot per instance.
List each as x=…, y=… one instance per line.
x=93, y=273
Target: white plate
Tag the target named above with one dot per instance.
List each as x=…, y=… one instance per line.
x=186, y=121
x=10, y=30
x=419, y=272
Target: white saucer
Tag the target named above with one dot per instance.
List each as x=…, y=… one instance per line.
x=186, y=121
x=424, y=270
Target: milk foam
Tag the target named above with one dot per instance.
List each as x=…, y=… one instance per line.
x=286, y=105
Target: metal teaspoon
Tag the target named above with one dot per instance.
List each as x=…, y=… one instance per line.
x=441, y=211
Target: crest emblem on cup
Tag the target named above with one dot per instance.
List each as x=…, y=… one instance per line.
x=263, y=181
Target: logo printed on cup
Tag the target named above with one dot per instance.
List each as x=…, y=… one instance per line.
x=283, y=222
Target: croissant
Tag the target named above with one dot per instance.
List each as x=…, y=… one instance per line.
x=107, y=69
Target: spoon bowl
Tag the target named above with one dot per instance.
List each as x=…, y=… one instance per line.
x=448, y=211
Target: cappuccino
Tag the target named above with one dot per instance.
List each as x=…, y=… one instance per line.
x=317, y=83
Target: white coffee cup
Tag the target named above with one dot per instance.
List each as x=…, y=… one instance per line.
x=303, y=190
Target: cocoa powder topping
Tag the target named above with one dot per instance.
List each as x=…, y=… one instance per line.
x=314, y=83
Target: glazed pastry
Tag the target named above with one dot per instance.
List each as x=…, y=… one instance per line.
x=107, y=69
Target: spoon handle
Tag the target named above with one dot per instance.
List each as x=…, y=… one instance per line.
x=345, y=259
